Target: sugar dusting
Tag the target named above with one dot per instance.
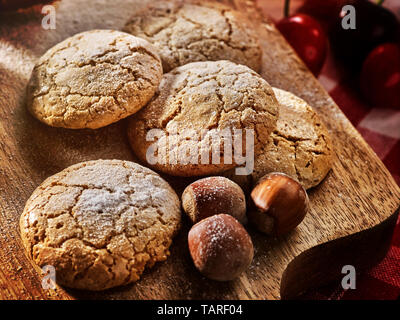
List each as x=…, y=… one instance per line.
x=216, y=190
x=110, y=197
x=220, y=235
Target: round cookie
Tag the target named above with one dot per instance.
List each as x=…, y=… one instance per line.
x=300, y=146
x=195, y=103
x=202, y=31
x=93, y=79
x=100, y=223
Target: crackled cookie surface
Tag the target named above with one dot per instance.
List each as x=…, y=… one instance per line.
x=190, y=32
x=100, y=223
x=93, y=79
x=300, y=146
x=196, y=101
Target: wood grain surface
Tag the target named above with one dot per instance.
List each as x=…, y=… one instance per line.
x=352, y=216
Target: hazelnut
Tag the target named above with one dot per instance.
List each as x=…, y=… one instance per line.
x=214, y=195
x=280, y=203
x=220, y=247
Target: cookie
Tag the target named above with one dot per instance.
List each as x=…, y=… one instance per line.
x=202, y=31
x=100, y=223
x=93, y=79
x=300, y=146
x=194, y=103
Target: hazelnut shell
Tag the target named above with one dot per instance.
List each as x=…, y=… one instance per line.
x=279, y=204
x=214, y=195
x=220, y=247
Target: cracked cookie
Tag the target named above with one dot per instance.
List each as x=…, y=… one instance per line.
x=93, y=79
x=190, y=32
x=100, y=223
x=300, y=146
x=196, y=104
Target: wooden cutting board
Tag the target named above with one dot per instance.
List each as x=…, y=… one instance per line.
x=353, y=212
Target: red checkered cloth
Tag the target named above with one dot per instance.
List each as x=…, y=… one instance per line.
x=380, y=127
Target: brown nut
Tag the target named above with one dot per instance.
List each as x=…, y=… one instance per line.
x=214, y=195
x=280, y=203
x=220, y=247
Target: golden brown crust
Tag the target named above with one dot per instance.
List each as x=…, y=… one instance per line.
x=214, y=96
x=300, y=146
x=197, y=31
x=93, y=79
x=100, y=223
